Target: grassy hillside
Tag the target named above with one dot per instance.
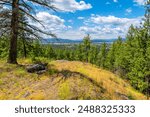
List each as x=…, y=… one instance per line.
x=63, y=80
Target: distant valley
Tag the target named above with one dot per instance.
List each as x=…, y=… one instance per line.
x=69, y=41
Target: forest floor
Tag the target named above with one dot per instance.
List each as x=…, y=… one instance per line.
x=67, y=80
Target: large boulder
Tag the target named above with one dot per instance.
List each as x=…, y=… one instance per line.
x=36, y=67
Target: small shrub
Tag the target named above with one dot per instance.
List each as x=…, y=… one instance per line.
x=131, y=97
x=20, y=72
x=52, y=71
x=39, y=60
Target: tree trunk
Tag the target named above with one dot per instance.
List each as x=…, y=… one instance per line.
x=24, y=48
x=14, y=33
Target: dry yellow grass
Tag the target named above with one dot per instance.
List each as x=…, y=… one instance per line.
x=109, y=81
x=64, y=80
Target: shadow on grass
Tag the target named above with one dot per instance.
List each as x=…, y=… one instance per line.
x=66, y=74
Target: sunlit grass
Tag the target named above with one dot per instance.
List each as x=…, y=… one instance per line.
x=112, y=83
x=17, y=83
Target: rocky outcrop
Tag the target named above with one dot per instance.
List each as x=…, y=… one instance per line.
x=37, y=68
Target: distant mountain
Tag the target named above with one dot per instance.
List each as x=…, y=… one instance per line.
x=69, y=41
x=61, y=41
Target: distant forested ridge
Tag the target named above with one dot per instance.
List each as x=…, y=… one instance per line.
x=77, y=41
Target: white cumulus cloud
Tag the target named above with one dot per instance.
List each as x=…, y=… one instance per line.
x=56, y=25
x=97, y=19
x=99, y=27
x=140, y=2
x=71, y=5
x=51, y=22
x=108, y=26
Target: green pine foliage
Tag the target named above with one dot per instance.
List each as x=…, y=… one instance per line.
x=3, y=47
x=101, y=57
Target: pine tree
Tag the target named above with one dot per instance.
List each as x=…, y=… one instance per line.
x=10, y=21
x=93, y=54
x=110, y=59
x=80, y=52
x=147, y=28
x=86, y=46
x=3, y=47
x=49, y=52
x=119, y=64
x=102, y=56
x=137, y=55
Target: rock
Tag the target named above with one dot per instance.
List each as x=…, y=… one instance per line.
x=36, y=67
x=26, y=94
x=41, y=72
x=61, y=61
x=123, y=96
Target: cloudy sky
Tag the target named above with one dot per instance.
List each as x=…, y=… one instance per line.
x=102, y=19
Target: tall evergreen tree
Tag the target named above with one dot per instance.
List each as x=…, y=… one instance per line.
x=12, y=14
x=119, y=65
x=137, y=45
x=110, y=60
x=93, y=54
x=102, y=55
x=147, y=27
x=86, y=46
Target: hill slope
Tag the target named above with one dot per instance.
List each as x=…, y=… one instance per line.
x=64, y=80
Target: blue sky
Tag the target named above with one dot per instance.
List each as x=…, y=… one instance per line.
x=102, y=19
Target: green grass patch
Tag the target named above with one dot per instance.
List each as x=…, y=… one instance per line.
x=64, y=91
